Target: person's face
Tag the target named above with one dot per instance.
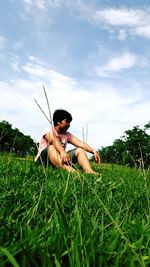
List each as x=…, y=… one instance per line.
x=64, y=125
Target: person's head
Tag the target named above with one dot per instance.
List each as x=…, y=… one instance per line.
x=61, y=114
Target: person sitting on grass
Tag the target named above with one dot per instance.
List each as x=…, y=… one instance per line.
x=53, y=143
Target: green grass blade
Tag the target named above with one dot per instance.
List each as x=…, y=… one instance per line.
x=9, y=256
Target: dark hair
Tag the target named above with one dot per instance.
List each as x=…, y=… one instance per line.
x=61, y=114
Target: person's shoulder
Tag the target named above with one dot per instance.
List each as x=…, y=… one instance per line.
x=69, y=135
x=46, y=131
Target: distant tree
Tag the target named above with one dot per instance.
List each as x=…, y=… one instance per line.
x=24, y=145
x=132, y=149
x=12, y=140
x=138, y=146
x=147, y=126
x=107, y=154
x=6, y=136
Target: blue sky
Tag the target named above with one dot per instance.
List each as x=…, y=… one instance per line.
x=93, y=58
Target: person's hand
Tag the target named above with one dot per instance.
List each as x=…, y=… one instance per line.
x=65, y=157
x=97, y=157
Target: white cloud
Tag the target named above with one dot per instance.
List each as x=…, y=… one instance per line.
x=2, y=41
x=122, y=16
x=126, y=21
x=108, y=111
x=40, y=3
x=14, y=63
x=43, y=4
x=30, y=5
x=38, y=69
x=133, y=21
x=143, y=31
x=117, y=64
x=122, y=35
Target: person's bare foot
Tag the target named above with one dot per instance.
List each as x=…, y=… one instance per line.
x=92, y=172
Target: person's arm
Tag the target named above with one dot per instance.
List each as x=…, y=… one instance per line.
x=51, y=138
x=78, y=143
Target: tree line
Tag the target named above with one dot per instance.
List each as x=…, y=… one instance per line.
x=132, y=149
x=12, y=140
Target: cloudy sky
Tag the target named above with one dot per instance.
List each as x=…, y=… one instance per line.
x=92, y=57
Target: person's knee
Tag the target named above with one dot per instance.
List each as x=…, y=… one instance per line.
x=80, y=150
x=54, y=156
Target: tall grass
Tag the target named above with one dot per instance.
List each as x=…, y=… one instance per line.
x=51, y=218
x=66, y=220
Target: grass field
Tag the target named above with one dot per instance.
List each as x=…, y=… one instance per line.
x=50, y=218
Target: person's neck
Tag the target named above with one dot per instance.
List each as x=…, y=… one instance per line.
x=57, y=129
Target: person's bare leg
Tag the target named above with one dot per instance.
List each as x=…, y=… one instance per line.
x=83, y=161
x=56, y=160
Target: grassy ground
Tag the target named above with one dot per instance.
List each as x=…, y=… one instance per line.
x=50, y=218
